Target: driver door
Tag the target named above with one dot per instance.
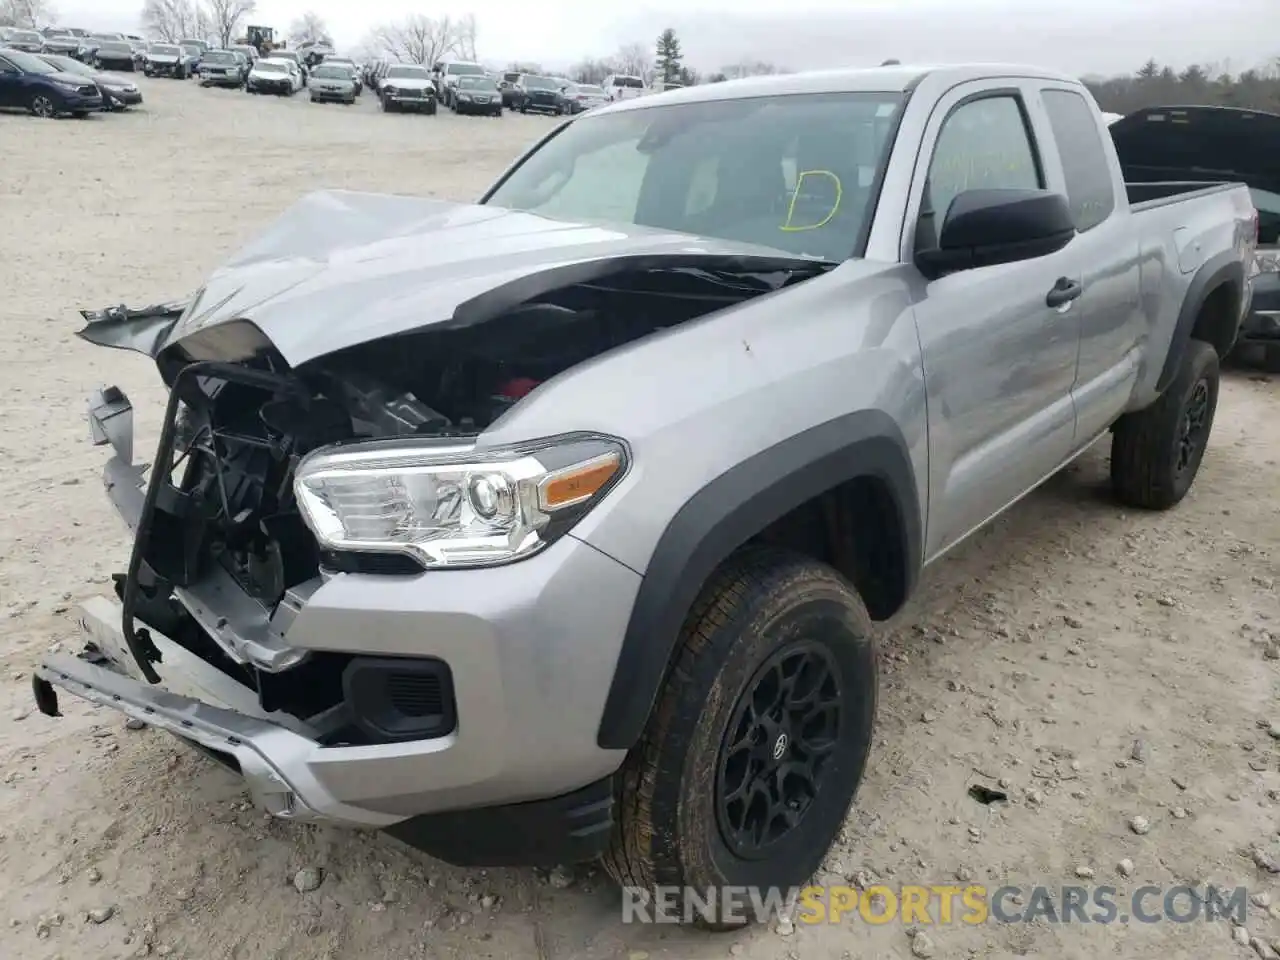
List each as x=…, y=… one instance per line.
x=999, y=359
x=10, y=84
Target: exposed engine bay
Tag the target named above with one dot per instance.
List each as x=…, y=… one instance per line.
x=237, y=440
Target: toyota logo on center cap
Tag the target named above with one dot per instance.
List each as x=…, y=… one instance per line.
x=780, y=746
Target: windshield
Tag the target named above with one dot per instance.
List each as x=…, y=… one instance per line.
x=104, y=36
x=477, y=83
x=164, y=49
x=264, y=66
x=115, y=46
x=28, y=63
x=220, y=56
x=68, y=65
x=191, y=50
x=794, y=173
x=202, y=44
x=464, y=69
x=328, y=71
x=633, y=82
x=408, y=73
x=540, y=83
x=25, y=36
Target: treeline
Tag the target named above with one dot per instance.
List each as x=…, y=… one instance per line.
x=1157, y=86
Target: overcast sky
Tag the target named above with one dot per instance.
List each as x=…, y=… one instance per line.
x=1082, y=36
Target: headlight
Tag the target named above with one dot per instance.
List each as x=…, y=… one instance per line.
x=454, y=506
x=69, y=84
x=1268, y=261
x=464, y=96
x=387, y=88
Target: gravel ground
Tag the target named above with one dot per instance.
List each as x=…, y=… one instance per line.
x=1104, y=665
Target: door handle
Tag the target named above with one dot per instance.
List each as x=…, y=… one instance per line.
x=1063, y=293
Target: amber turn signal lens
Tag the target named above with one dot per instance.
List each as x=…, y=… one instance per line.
x=573, y=485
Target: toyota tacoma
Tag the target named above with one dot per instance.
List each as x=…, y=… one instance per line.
x=555, y=526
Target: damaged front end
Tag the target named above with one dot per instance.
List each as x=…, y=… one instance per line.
x=311, y=477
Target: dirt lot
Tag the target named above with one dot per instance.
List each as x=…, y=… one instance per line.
x=1106, y=665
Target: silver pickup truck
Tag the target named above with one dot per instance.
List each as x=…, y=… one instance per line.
x=555, y=526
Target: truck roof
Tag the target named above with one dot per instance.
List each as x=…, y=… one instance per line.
x=869, y=79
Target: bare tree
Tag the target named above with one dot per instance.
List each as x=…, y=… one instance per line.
x=750, y=68
x=170, y=20
x=225, y=17
x=633, y=59
x=466, y=32
x=30, y=14
x=309, y=26
x=416, y=39
x=593, y=71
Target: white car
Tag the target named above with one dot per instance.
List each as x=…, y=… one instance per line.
x=622, y=86
x=447, y=74
x=407, y=86
x=274, y=75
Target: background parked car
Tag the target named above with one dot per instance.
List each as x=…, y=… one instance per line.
x=379, y=72
x=90, y=43
x=407, y=86
x=118, y=93
x=349, y=65
x=477, y=95
x=507, y=84
x=223, y=68
x=114, y=55
x=292, y=55
x=580, y=97
x=192, y=53
x=248, y=51
x=61, y=40
x=447, y=74
x=28, y=41
x=165, y=60
x=623, y=86
x=274, y=75
x=29, y=83
x=332, y=82
x=539, y=94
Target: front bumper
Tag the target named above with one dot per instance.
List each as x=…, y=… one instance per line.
x=74, y=101
x=323, y=93
x=531, y=665
x=410, y=100
x=270, y=86
x=123, y=98
x=542, y=106
x=491, y=105
x=221, y=79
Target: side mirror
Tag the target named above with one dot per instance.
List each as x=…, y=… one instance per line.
x=983, y=228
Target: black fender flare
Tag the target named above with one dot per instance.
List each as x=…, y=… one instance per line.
x=1224, y=268
x=726, y=513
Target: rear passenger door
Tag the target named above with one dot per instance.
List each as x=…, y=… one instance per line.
x=999, y=362
x=1104, y=254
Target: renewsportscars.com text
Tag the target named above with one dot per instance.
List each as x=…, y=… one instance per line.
x=941, y=904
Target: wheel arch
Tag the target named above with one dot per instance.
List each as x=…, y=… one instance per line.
x=861, y=458
x=1210, y=312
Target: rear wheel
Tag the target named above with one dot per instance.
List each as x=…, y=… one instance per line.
x=1156, y=452
x=43, y=105
x=745, y=773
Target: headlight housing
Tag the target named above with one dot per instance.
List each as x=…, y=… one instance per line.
x=1268, y=261
x=453, y=505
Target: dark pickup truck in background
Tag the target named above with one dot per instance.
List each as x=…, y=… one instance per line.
x=1196, y=143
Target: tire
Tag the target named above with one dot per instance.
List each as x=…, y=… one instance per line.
x=43, y=105
x=1156, y=452
x=761, y=614
x=431, y=109
x=387, y=106
x=524, y=109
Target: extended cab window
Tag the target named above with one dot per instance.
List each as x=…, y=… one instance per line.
x=983, y=144
x=1090, y=188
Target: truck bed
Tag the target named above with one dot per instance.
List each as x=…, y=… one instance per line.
x=1148, y=195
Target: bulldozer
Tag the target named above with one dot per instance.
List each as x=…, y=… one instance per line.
x=262, y=39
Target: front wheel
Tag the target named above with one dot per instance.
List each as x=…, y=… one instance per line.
x=753, y=752
x=1156, y=452
x=43, y=105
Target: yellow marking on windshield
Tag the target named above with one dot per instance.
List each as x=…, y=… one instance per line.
x=795, y=195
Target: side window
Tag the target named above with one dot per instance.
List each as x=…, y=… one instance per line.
x=7, y=67
x=1090, y=188
x=983, y=144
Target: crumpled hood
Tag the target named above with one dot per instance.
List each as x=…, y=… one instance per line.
x=342, y=268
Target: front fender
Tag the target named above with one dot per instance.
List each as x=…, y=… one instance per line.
x=726, y=513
